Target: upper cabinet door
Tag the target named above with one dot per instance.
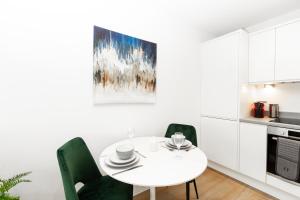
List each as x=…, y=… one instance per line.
x=262, y=56
x=219, y=77
x=287, y=65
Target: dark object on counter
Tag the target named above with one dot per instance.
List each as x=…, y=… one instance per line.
x=259, y=109
x=273, y=110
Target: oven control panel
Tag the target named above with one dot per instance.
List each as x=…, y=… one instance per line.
x=284, y=132
x=278, y=131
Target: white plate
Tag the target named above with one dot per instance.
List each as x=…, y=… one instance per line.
x=111, y=164
x=182, y=148
x=116, y=160
x=186, y=144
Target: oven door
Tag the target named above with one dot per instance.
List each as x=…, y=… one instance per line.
x=272, y=151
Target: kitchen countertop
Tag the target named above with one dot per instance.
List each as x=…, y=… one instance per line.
x=266, y=121
x=263, y=121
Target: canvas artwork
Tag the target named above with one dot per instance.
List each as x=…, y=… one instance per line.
x=124, y=68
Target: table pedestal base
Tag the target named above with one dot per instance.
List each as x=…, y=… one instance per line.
x=152, y=193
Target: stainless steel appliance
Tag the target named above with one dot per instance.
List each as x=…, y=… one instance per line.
x=275, y=132
x=273, y=110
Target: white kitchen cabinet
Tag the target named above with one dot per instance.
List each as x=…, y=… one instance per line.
x=219, y=141
x=253, y=150
x=220, y=59
x=262, y=56
x=287, y=64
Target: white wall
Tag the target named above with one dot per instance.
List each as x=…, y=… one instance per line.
x=46, y=83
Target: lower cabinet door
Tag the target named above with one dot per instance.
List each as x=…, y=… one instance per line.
x=253, y=150
x=219, y=141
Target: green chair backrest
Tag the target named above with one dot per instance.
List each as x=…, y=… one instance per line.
x=76, y=165
x=188, y=131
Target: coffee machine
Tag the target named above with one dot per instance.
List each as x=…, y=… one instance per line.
x=258, y=109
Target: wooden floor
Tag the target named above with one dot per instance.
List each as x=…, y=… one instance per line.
x=212, y=185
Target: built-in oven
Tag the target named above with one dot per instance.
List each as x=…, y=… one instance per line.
x=286, y=168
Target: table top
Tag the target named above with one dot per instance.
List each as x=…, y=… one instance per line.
x=160, y=168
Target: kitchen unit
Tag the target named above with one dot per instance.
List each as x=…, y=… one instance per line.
x=274, y=54
x=235, y=146
x=258, y=146
x=224, y=66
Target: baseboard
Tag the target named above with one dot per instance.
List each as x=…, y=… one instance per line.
x=275, y=192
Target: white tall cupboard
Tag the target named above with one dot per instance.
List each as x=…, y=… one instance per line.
x=219, y=77
x=224, y=67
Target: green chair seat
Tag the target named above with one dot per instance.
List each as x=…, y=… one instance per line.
x=105, y=188
x=78, y=166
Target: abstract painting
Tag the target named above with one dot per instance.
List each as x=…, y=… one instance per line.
x=124, y=68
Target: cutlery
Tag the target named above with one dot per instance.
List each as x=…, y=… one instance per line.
x=128, y=169
x=168, y=148
x=193, y=147
x=140, y=154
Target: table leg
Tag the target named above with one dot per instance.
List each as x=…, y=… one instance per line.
x=187, y=192
x=152, y=193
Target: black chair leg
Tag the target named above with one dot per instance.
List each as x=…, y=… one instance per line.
x=187, y=185
x=195, y=185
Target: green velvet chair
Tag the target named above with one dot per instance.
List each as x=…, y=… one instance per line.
x=77, y=165
x=190, y=134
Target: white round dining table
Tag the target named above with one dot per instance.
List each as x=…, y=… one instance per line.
x=160, y=167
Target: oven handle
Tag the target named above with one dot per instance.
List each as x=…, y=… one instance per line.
x=291, y=137
x=274, y=138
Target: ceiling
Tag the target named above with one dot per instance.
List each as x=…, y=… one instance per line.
x=214, y=16
x=222, y=16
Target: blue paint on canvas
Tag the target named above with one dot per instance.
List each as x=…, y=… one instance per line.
x=123, y=65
